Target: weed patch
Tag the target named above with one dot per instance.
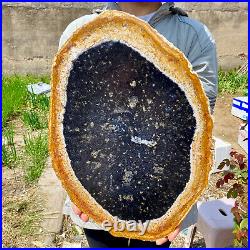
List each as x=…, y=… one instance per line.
x=36, y=114
x=32, y=119
x=14, y=93
x=22, y=216
x=40, y=102
x=232, y=82
x=9, y=153
x=36, y=147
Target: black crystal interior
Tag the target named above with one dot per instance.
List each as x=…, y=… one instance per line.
x=128, y=130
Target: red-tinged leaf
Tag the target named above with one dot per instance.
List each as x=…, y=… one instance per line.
x=235, y=210
x=245, y=233
x=241, y=234
x=238, y=217
x=242, y=165
x=236, y=204
x=240, y=158
x=227, y=162
x=238, y=235
x=228, y=176
x=232, y=153
x=219, y=183
x=238, y=188
x=236, y=185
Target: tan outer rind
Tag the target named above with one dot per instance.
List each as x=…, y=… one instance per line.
x=116, y=25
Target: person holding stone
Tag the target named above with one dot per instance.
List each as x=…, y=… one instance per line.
x=196, y=42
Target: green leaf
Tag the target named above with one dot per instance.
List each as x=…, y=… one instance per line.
x=221, y=166
x=232, y=166
x=232, y=193
x=227, y=162
x=244, y=174
x=237, y=243
x=244, y=223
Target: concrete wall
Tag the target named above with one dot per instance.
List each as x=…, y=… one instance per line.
x=228, y=22
x=31, y=31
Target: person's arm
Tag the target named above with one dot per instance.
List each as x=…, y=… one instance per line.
x=203, y=57
x=73, y=26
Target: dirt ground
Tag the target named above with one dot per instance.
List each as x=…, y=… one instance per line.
x=21, y=212
x=20, y=204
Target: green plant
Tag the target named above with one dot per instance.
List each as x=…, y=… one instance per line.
x=232, y=82
x=14, y=93
x=37, y=150
x=238, y=175
x=13, y=96
x=36, y=114
x=43, y=102
x=32, y=119
x=40, y=102
x=9, y=154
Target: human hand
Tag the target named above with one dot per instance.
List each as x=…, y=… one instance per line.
x=161, y=241
x=78, y=212
x=170, y=237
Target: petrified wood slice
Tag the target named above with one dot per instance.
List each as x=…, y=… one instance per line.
x=130, y=128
